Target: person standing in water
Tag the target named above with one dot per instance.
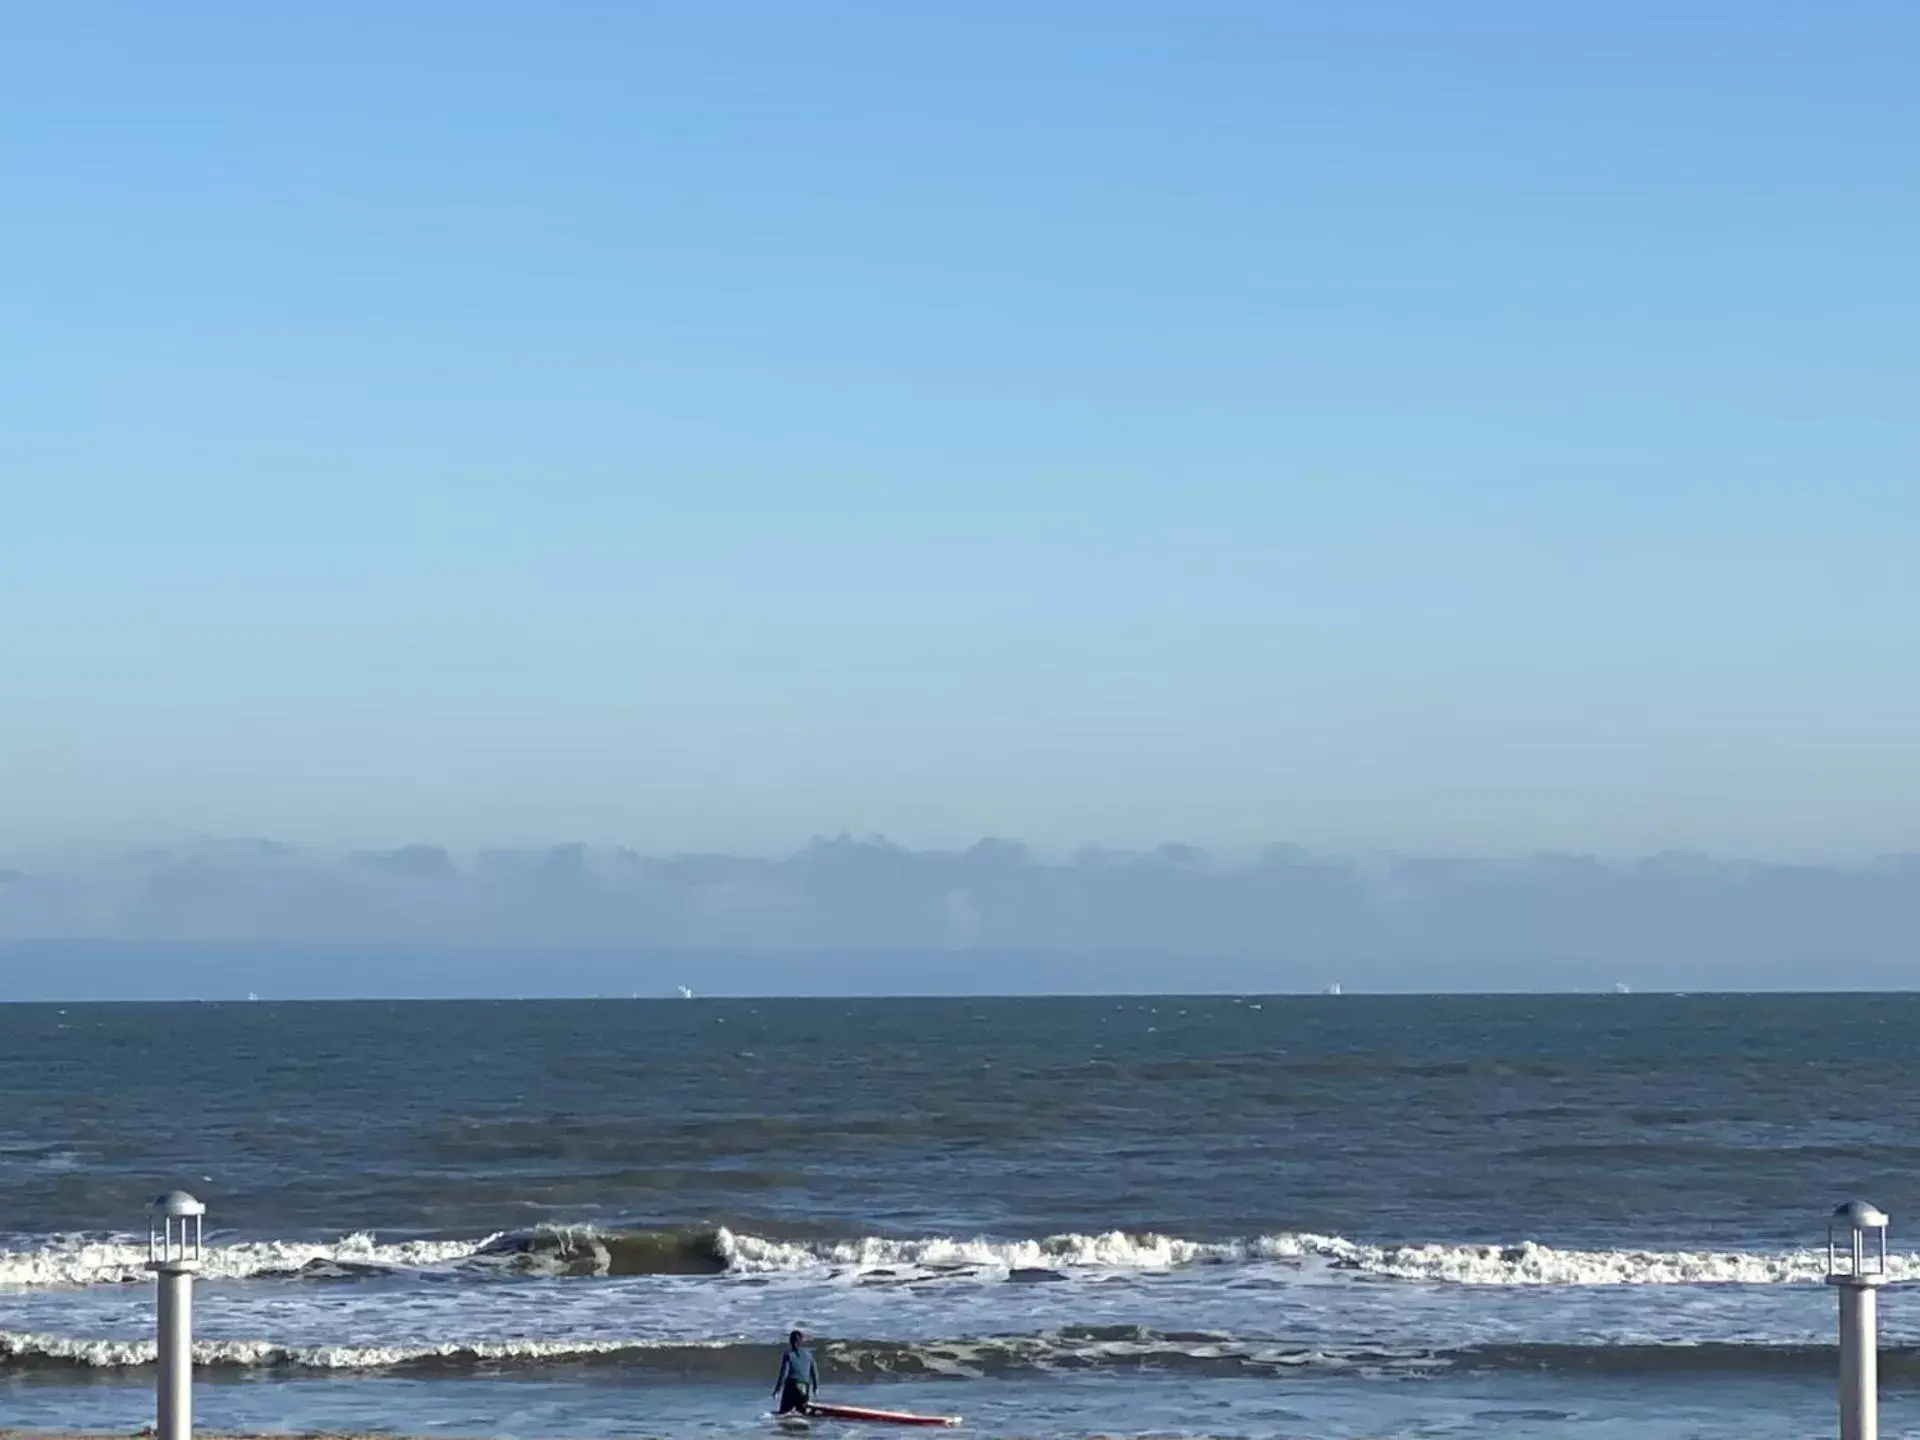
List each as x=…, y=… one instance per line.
x=799, y=1377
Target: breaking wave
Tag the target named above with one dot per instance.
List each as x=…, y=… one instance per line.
x=1526, y=1263
x=723, y=1251
x=1067, y=1350
x=82, y=1260
x=588, y=1253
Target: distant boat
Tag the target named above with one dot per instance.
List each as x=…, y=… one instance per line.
x=1622, y=988
x=252, y=996
x=685, y=993
x=1333, y=989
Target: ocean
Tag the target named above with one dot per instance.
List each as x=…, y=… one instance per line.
x=1591, y=1216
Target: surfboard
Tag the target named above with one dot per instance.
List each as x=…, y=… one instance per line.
x=882, y=1417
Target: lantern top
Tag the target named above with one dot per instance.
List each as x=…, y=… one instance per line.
x=1859, y=1215
x=176, y=1205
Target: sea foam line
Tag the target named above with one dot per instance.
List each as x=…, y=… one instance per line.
x=1526, y=1263
x=80, y=1261
x=112, y=1354
x=1066, y=1350
x=84, y=1261
x=1069, y=1348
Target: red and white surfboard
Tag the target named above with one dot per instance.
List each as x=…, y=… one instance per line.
x=884, y=1417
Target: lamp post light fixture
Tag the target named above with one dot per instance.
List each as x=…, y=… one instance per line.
x=173, y=1255
x=1857, y=1267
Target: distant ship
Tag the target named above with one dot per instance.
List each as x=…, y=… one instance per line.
x=685, y=993
x=1333, y=989
x=1622, y=988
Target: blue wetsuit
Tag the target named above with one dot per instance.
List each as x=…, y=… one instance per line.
x=798, y=1379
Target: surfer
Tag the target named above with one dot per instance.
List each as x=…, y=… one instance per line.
x=799, y=1377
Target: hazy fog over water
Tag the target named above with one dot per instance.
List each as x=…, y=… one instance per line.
x=867, y=916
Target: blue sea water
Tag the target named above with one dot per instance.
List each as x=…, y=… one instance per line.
x=1257, y=1216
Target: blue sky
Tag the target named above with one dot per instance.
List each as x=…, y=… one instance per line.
x=1479, y=427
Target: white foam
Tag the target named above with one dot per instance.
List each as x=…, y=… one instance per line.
x=1113, y=1250
x=121, y=1354
x=1526, y=1263
x=1531, y=1264
x=81, y=1261
x=957, y=1357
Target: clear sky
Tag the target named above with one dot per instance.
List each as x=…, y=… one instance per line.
x=1466, y=427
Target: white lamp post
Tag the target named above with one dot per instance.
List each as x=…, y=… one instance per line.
x=1857, y=1266
x=173, y=1254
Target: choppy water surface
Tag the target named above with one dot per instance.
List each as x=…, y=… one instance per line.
x=1329, y=1217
